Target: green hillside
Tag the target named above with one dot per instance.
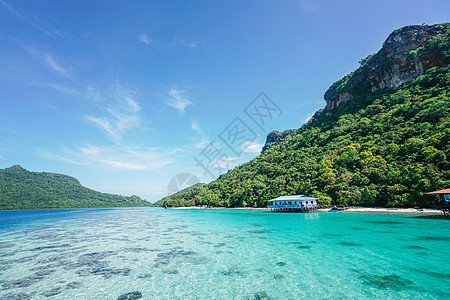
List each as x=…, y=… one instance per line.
x=22, y=189
x=379, y=147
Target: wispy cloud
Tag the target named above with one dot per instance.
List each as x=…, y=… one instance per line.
x=178, y=100
x=224, y=163
x=126, y=159
x=145, y=39
x=251, y=147
x=189, y=44
x=184, y=43
x=116, y=122
x=50, y=60
x=119, y=113
x=133, y=105
x=308, y=117
x=195, y=126
x=104, y=124
x=33, y=21
x=56, y=87
x=115, y=157
x=2, y=157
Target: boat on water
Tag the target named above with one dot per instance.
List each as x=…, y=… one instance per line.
x=294, y=203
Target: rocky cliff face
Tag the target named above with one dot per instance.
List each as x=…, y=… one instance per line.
x=276, y=137
x=407, y=53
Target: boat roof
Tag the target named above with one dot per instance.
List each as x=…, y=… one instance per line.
x=446, y=191
x=293, y=198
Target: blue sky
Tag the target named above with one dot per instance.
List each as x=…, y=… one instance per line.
x=125, y=95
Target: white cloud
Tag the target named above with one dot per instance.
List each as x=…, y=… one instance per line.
x=118, y=117
x=104, y=124
x=145, y=39
x=195, y=126
x=115, y=157
x=178, y=100
x=133, y=105
x=202, y=144
x=308, y=117
x=34, y=21
x=56, y=87
x=224, y=163
x=184, y=43
x=55, y=66
x=190, y=44
x=252, y=147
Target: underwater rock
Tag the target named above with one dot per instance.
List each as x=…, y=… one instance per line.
x=280, y=263
x=6, y=245
x=261, y=296
x=130, y=296
x=147, y=275
x=73, y=285
x=93, y=260
x=50, y=247
x=106, y=272
x=174, y=272
x=19, y=296
x=388, y=281
x=230, y=272
x=53, y=292
x=278, y=276
x=24, y=282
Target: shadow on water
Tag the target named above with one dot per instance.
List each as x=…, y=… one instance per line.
x=349, y=244
x=385, y=222
x=416, y=247
x=433, y=238
x=431, y=217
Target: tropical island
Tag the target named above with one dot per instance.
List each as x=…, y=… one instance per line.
x=22, y=189
x=382, y=139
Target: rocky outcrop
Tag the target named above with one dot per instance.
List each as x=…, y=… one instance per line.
x=407, y=53
x=276, y=137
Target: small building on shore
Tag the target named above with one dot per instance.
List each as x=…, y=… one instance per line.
x=444, y=195
x=444, y=205
x=293, y=203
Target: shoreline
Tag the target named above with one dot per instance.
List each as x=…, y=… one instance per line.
x=359, y=209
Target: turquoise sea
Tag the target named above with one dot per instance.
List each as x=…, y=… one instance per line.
x=221, y=254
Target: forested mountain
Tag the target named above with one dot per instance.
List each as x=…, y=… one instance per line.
x=383, y=138
x=22, y=189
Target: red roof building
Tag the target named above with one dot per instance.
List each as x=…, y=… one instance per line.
x=443, y=194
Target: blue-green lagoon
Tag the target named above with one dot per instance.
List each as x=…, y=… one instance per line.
x=221, y=254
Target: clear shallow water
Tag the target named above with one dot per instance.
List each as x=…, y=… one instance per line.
x=221, y=254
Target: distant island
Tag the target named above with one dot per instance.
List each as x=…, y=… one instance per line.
x=383, y=138
x=22, y=189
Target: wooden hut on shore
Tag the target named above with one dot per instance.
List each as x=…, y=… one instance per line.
x=444, y=204
x=293, y=203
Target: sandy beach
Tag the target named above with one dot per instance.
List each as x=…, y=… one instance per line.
x=389, y=210
x=349, y=209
